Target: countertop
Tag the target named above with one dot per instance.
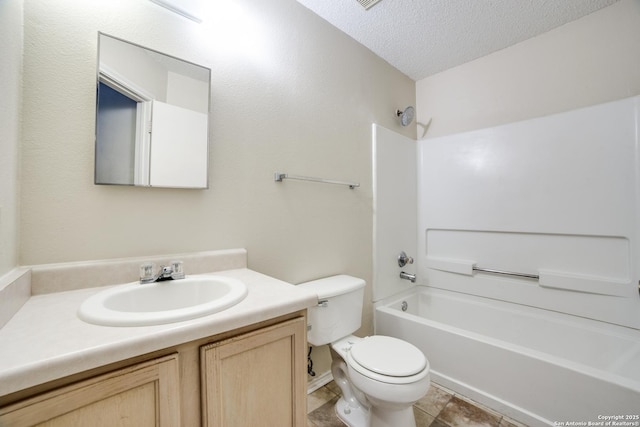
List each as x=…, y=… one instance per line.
x=45, y=340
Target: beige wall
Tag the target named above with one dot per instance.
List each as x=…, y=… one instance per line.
x=290, y=93
x=10, y=99
x=589, y=61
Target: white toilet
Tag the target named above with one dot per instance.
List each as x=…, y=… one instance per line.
x=380, y=377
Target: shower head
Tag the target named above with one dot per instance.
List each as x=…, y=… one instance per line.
x=406, y=116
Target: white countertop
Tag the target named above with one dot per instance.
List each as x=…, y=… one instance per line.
x=45, y=340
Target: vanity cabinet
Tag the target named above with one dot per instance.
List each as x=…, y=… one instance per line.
x=256, y=379
x=145, y=394
x=252, y=376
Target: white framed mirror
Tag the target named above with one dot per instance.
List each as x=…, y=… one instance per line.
x=152, y=118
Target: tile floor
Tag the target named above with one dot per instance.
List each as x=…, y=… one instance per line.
x=439, y=408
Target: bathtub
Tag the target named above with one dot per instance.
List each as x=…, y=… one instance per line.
x=536, y=366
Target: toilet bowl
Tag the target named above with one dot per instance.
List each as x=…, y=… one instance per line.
x=385, y=375
x=380, y=377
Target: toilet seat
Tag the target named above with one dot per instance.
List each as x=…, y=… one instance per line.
x=388, y=359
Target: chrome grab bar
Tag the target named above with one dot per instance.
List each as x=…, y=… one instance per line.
x=506, y=273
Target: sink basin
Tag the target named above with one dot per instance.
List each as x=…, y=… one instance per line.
x=136, y=304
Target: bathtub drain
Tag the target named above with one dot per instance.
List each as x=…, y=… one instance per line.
x=404, y=306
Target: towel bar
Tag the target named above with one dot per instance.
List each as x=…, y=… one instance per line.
x=278, y=177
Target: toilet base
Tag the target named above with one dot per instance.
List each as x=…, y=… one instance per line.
x=353, y=417
x=392, y=418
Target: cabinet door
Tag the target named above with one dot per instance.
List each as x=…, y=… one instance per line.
x=256, y=379
x=142, y=395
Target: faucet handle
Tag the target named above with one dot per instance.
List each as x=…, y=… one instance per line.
x=147, y=272
x=177, y=270
x=403, y=259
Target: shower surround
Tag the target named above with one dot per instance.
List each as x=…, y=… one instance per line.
x=554, y=198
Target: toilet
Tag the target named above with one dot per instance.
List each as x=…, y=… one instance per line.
x=380, y=377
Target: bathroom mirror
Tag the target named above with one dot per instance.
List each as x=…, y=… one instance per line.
x=152, y=118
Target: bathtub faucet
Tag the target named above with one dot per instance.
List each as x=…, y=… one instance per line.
x=408, y=276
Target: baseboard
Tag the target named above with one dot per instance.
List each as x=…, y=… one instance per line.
x=319, y=381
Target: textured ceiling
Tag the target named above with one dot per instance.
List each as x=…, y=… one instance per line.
x=424, y=37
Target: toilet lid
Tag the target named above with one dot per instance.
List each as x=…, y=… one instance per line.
x=388, y=356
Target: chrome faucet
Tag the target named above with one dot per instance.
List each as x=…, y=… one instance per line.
x=167, y=272
x=408, y=276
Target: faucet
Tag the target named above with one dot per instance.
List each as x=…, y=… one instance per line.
x=408, y=276
x=167, y=272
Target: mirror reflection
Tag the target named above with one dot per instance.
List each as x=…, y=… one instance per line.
x=151, y=118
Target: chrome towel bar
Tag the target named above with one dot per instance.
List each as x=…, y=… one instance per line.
x=506, y=273
x=278, y=177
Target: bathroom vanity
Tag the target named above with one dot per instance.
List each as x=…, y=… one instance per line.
x=242, y=366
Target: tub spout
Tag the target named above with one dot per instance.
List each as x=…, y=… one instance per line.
x=408, y=276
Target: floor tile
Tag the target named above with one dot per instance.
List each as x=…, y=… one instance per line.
x=478, y=405
x=434, y=401
x=508, y=422
x=319, y=398
x=422, y=418
x=438, y=423
x=325, y=416
x=332, y=386
x=460, y=413
x=439, y=408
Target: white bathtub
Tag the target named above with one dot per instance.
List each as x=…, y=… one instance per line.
x=536, y=366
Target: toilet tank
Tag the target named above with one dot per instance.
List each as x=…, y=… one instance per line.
x=339, y=309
